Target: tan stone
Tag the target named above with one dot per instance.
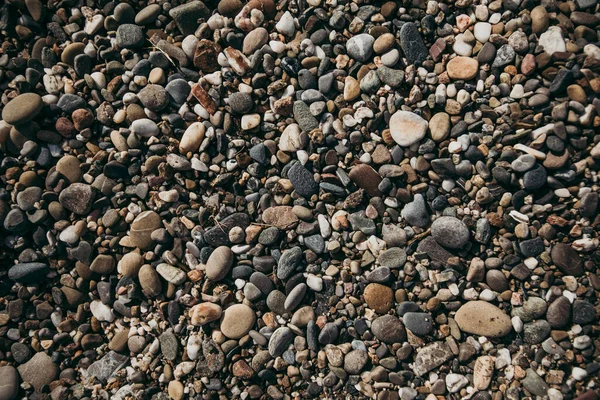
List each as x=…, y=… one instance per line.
x=463, y=68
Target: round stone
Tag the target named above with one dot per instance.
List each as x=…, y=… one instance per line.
x=450, y=232
x=539, y=19
x=229, y=8
x=71, y=51
x=240, y=103
x=407, y=128
x=130, y=36
x=77, y=198
x=379, y=297
x=237, y=321
x=360, y=47
x=439, y=126
x=559, y=313
x=192, y=138
x=130, y=264
x=154, y=97
x=147, y=14
x=103, y=264
x=9, y=382
x=419, y=323
x=389, y=329
x=144, y=127
x=280, y=341
x=69, y=167
x=355, y=361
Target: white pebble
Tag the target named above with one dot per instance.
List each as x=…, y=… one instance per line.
x=579, y=373
x=517, y=323
x=101, y=311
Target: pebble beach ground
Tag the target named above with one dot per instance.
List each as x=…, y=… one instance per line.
x=300, y=199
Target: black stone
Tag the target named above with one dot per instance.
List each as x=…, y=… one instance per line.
x=412, y=44
x=302, y=180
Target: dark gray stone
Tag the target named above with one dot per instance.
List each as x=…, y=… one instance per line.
x=421, y=324
x=130, y=36
x=28, y=272
x=412, y=44
x=302, y=180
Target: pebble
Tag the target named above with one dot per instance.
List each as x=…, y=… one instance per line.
x=237, y=321
x=378, y=297
x=552, y=40
x=355, y=361
x=412, y=43
x=462, y=68
x=9, y=382
x=219, y=263
x=130, y=36
x=38, y=371
x=450, y=232
x=421, y=324
x=407, y=128
x=280, y=340
x=205, y=313
x=388, y=329
x=567, y=259
x=22, y=108
x=28, y=272
x=483, y=319
x=360, y=47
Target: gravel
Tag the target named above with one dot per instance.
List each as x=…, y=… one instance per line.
x=299, y=200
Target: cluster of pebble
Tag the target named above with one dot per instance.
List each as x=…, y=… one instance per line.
x=298, y=199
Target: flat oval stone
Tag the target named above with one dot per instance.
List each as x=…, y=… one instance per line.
x=219, y=263
x=77, y=198
x=567, y=259
x=280, y=341
x=9, y=382
x=22, y=108
x=150, y=281
x=379, y=297
x=484, y=319
x=192, y=138
x=280, y=216
x=365, y=177
x=171, y=274
x=28, y=272
x=389, y=329
x=463, y=68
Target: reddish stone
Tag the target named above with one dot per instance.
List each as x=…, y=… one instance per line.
x=204, y=98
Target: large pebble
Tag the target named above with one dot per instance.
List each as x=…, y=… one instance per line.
x=22, y=108
x=483, y=319
x=450, y=232
x=219, y=263
x=237, y=321
x=407, y=128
